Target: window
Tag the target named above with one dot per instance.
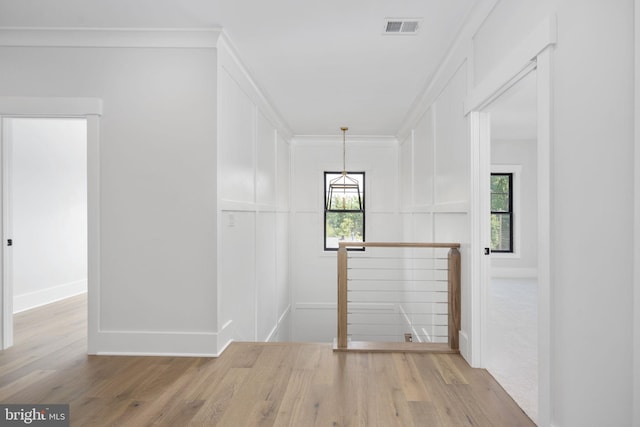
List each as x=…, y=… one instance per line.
x=343, y=219
x=502, y=212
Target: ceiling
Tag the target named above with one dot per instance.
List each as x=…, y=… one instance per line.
x=322, y=64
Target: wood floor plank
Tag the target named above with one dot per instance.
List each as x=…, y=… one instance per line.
x=25, y=383
x=293, y=405
x=412, y=384
x=250, y=384
x=219, y=395
x=447, y=369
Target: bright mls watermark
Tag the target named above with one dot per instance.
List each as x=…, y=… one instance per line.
x=34, y=415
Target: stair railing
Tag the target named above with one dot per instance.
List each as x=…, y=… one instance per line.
x=418, y=281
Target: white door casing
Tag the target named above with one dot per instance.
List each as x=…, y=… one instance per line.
x=91, y=110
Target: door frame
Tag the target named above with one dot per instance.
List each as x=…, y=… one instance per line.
x=31, y=107
x=534, y=52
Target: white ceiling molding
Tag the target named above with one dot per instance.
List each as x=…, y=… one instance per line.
x=458, y=54
x=50, y=107
x=230, y=60
x=511, y=70
x=110, y=37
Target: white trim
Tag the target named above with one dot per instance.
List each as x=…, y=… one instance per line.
x=94, y=273
x=480, y=263
x=459, y=53
x=316, y=305
x=520, y=273
x=230, y=61
x=463, y=339
x=47, y=296
x=90, y=109
x=225, y=336
x=158, y=343
x=49, y=107
x=278, y=325
x=514, y=66
x=110, y=37
x=6, y=310
x=493, y=93
x=545, y=250
x=242, y=206
x=460, y=207
x=636, y=235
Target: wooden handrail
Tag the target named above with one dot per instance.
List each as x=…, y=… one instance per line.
x=398, y=245
x=454, y=292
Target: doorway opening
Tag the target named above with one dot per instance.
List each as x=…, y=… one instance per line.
x=44, y=211
x=511, y=353
x=534, y=53
x=44, y=214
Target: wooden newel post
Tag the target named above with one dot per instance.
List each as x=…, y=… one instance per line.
x=454, y=298
x=342, y=297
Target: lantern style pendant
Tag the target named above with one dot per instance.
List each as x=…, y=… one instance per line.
x=344, y=191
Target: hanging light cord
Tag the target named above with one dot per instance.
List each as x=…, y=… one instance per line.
x=344, y=149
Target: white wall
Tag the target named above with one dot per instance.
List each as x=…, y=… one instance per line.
x=314, y=271
x=186, y=140
x=48, y=209
x=636, y=305
x=592, y=161
x=434, y=172
x=520, y=156
x=253, y=200
x=158, y=179
x=581, y=268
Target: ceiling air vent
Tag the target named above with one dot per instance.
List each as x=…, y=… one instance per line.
x=401, y=26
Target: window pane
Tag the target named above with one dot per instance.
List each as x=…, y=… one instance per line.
x=348, y=192
x=343, y=226
x=344, y=209
x=500, y=183
x=500, y=202
x=345, y=201
x=501, y=232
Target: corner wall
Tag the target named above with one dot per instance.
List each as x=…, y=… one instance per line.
x=434, y=175
x=253, y=210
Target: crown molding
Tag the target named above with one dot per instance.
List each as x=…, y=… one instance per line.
x=230, y=59
x=458, y=54
x=334, y=139
x=110, y=37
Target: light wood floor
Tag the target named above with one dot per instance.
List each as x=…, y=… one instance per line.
x=280, y=384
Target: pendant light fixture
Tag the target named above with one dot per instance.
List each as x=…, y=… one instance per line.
x=344, y=191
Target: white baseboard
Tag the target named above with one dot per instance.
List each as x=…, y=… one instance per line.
x=274, y=332
x=316, y=306
x=463, y=340
x=515, y=273
x=47, y=296
x=146, y=343
x=224, y=337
